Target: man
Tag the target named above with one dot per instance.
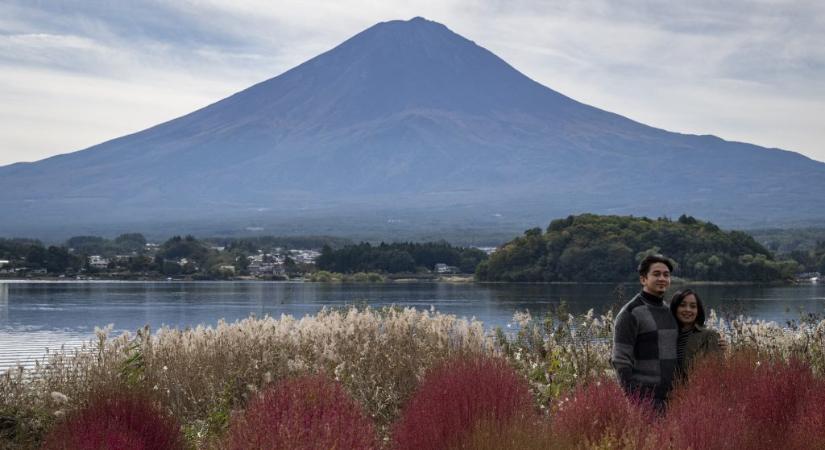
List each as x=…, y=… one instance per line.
x=645, y=335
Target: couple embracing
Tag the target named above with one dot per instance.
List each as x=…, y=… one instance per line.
x=654, y=341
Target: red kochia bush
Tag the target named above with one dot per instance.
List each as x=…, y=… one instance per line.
x=601, y=411
x=809, y=429
x=517, y=435
x=458, y=395
x=311, y=412
x=741, y=402
x=116, y=421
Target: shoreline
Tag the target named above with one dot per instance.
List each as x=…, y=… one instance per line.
x=454, y=279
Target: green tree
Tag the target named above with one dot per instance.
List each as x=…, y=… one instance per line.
x=591, y=247
x=130, y=242
x=90, y=245
x=58, y=260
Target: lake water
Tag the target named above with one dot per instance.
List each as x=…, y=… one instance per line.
x=39, y=315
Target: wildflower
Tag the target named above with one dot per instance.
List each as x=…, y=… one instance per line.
x=523, y=319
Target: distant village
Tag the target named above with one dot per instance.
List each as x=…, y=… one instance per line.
x=260, y=265
x=131, y=256
x=184, y=258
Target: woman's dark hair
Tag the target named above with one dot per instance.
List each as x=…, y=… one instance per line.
x=679, y=297
x=644, y=265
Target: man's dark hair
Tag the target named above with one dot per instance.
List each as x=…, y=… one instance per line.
x=644, y=266
x=679, y=297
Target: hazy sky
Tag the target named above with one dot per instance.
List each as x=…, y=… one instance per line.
x=77, y=73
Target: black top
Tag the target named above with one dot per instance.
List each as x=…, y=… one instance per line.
x=681, y=345
x=644, y=346
x=652, y=298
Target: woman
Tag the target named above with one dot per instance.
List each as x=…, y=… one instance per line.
x=694, y=339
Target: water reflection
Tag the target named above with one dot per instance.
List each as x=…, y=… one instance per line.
x=129, y=306
x=4, y=301
x=38, y=315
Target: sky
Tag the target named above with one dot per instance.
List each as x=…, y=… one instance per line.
x=74, y=73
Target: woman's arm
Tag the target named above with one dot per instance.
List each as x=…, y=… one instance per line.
x=711, y=342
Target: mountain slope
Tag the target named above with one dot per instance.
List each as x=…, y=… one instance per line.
x=408, y=115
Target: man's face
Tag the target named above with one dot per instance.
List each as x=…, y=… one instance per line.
x=657, y=279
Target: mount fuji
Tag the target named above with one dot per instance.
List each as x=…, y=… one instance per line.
x=405, y=121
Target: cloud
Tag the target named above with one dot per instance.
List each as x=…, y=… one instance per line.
x=749, y=71
x=67, y=112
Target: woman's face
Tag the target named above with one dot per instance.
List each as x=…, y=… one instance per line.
x=687, y=310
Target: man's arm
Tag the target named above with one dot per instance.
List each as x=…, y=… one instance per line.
x=624, y=342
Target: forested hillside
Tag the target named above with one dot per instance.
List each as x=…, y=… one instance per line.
x=591, y=247
x=398, y=257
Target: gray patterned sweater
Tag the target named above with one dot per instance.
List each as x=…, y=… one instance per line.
x=644, y=346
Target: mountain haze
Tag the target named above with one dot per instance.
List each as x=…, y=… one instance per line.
x=405, y=119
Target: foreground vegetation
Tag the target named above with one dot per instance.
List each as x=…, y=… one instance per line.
x=590, y=247
x=208, y=379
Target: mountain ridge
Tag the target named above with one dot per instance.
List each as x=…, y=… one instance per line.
x=407, y=112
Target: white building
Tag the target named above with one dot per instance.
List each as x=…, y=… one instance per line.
x=266, y=268
x=304, y=256
x=444, y=268
x=98, y=262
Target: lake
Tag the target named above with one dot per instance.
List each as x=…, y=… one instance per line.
x=39, y=315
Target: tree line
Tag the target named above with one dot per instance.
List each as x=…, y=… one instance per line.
x=591, y=247
x=803, y=245
x=405, y=257
x=129, y=254
x=586, y=247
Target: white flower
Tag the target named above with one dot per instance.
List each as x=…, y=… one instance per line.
x=59, y=398
x=523, y=319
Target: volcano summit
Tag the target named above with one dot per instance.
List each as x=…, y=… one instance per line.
x=405, y=119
